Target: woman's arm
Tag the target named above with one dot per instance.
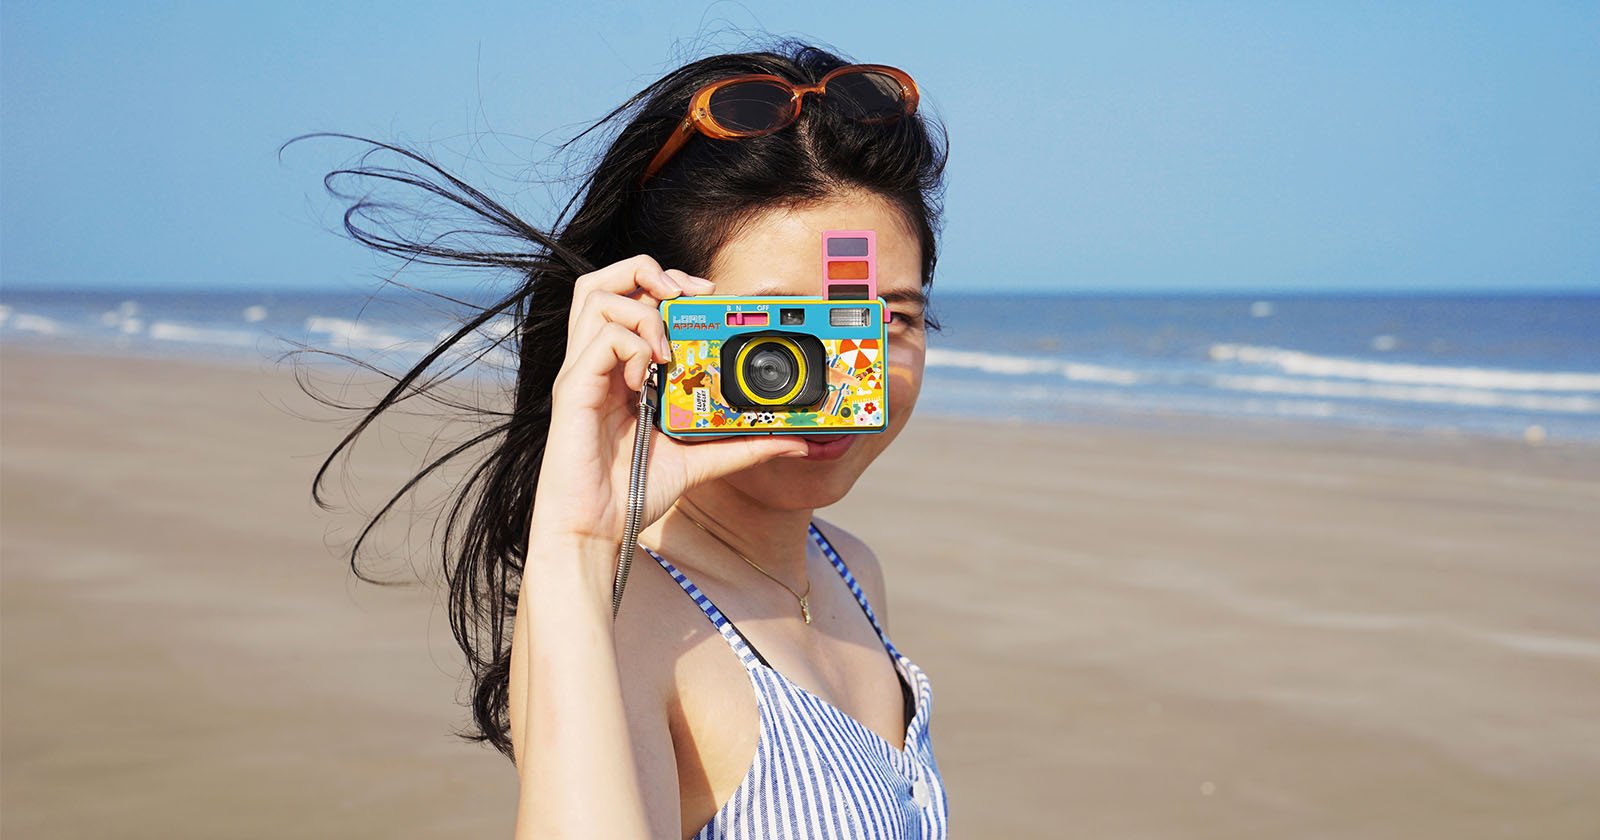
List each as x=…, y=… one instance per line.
x=583, y=772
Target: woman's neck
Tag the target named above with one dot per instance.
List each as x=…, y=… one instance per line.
x=774, y=539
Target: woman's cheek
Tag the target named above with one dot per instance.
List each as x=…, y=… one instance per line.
x=906, y=361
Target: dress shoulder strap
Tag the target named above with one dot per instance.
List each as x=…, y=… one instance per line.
x=850, y=581
x=746, y=652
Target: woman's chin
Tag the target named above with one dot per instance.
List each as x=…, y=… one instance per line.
x=802, y=483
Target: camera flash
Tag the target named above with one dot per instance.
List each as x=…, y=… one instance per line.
x=848, y=316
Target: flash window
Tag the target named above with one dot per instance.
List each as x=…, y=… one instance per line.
x=792, y=317
x=848, y=316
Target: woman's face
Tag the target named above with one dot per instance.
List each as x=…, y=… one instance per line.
x=779, y=253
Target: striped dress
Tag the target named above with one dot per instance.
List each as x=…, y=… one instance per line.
x=819, y=773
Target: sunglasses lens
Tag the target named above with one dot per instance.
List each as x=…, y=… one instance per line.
x=868, y=96
x=751, y=106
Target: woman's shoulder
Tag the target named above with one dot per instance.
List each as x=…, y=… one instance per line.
x=656, y=628
x=863, y=564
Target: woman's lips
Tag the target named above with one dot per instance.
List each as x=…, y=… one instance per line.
x=827, y=448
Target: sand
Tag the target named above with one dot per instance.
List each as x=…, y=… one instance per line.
x=1196, y=630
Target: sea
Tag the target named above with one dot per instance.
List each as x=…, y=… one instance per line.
x=1523, y=366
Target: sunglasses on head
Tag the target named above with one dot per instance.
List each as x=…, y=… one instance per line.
x=757, y=104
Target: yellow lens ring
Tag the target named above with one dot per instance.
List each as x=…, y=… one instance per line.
x=800, y=373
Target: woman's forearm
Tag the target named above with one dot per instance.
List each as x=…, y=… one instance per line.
x=575, y=758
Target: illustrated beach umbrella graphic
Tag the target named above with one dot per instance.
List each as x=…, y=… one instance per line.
x=858, y=354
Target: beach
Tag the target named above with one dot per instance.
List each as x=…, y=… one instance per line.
x=1185, y=629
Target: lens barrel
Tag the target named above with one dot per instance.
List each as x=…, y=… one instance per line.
x=773, y=370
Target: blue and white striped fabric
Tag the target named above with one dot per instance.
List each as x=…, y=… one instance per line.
x=819, y=773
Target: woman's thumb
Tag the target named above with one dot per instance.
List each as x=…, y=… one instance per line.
x=716, y=458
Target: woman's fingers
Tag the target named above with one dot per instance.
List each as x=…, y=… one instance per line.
x=712, y=459
x=588, y=377
x=638, y=277
x=624, y=277
x=643, y=319
x=627, y=293
x=691, y=284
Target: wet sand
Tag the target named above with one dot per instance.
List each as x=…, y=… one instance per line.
x=1206, y=630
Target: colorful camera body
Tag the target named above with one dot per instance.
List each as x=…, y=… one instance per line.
x=773, y=365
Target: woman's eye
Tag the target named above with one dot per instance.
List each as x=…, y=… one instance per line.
x=907, y=319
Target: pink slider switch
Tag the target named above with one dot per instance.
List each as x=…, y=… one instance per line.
x=747, y=319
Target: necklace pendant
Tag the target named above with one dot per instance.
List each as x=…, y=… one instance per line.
x=805, y=610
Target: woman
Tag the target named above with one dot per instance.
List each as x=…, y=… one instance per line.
x=646, y=726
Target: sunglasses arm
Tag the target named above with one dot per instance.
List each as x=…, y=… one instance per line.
x=679, y=137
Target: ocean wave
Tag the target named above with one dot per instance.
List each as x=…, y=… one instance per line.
x=170, y=331
x=1022, y=365
x=28, y=322
x=1489, y=379
x=1435, y=394
x=357, y=334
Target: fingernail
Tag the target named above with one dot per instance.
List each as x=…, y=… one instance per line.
x=666, y=349
x=792, y=454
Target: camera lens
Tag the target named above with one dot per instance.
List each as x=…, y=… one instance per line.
x=774, y=371
x=770, y=370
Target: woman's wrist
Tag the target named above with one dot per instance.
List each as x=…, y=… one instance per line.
x=563, y=561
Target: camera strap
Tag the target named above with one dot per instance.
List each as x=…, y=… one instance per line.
x=637, y=472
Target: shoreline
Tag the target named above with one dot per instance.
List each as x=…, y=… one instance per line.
x=1199, y=425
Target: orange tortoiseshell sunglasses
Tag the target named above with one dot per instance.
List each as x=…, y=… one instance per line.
x=757, y=104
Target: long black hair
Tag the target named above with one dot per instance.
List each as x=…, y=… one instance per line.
x=681, y=217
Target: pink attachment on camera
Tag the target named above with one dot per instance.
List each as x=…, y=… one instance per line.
x=849, y=265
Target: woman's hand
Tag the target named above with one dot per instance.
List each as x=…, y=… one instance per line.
x=614, y=333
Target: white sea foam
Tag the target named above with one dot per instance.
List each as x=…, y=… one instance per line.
x=1018, y=365
x=1437, y=394
x=1315, y=380
x=28, y=322
x=1306, y=364
x=355, y=334
x=169, y=331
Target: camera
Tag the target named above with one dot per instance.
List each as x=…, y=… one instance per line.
x=778, y=364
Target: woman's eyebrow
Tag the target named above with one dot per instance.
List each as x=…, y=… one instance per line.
x=905, y=296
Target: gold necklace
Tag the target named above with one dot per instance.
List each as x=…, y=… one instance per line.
x=805, y=608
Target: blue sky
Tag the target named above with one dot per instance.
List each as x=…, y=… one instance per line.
x=1113, y=146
